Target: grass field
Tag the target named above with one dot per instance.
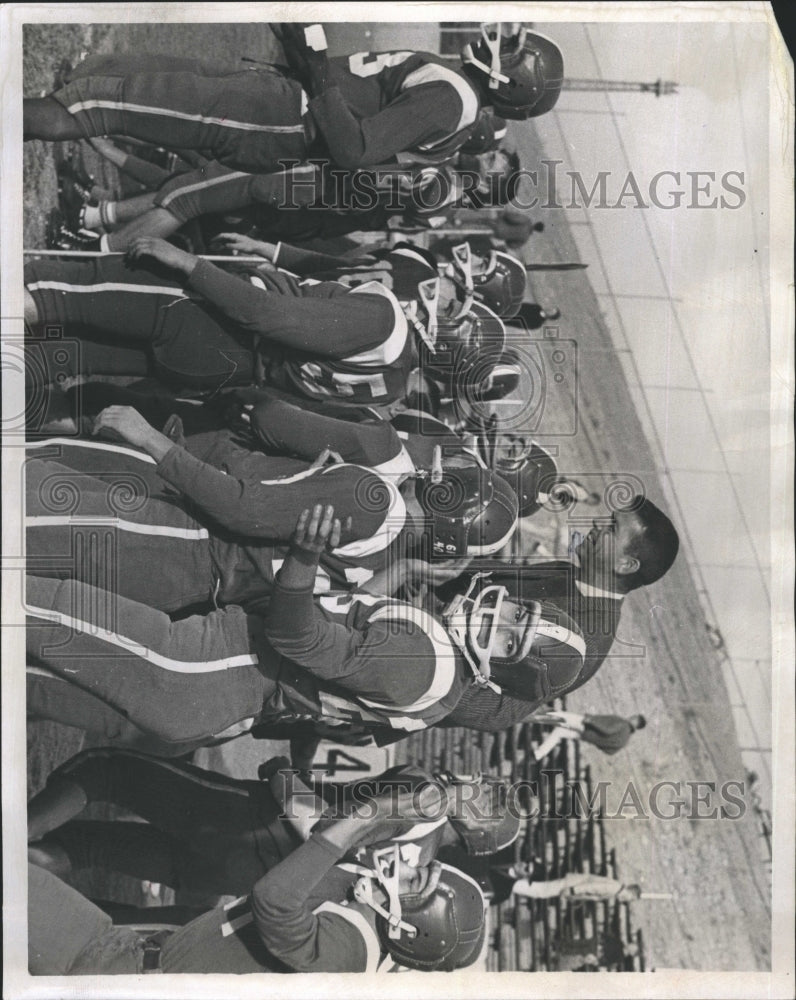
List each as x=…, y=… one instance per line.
x=664, y=665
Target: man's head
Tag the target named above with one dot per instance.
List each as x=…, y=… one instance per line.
x=637, y=722
x=529, y=467
x=488, y=180
x=629, y=893
x=520, y=76
x=632, y=548
x=430, y=918
x=492, y=277
x=470, y=510
x=526, y=648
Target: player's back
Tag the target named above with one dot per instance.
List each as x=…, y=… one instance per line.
x=370, y=81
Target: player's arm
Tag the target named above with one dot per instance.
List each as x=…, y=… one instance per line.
x=245, y=507
x=323, y=319
x=286, y=429
x=420, y=114
x=327, y=938
x=282, y=310
x=376, y=662
x=293, y=259
x=309, y=262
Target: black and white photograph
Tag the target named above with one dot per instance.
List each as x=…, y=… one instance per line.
x=398, y=551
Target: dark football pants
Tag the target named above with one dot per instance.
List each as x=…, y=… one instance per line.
x=116, y=536
x=205, y=831
x=248, y=121
x=53, y=698
x=69, y=935
x=102, y=301
x=185, y=680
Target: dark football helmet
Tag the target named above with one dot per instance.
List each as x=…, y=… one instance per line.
x=520, y=75
x=473, y=511
x=528, y=467
x=546, y=661
x=460, y=341
x=489, y=132
x=482, y=816
x=438, y=929
x=497, y=281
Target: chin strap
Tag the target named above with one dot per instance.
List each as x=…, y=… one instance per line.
x=463, y=264
x=428, y=296
x=456, y=617
x=493, y=44
x=386, y=867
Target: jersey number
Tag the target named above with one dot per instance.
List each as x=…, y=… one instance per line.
x=354, y=763
x=371, y=63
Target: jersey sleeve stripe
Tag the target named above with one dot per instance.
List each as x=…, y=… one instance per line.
x=390, y=349
x=444, y=655
x=381, y=539
x=398, y=467
x=432, y=73
x=357, y=920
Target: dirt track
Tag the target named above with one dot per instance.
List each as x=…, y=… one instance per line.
x=719, y=917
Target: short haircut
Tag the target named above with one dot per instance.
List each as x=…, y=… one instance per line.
x=638, y=722
x=656, y=549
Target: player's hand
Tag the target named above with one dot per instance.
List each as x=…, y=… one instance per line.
x=318, y=528
x=305, y=50
x=237, y=243
x=163, y=252
x=434, y=573
x=126, y=422
x=386, y=816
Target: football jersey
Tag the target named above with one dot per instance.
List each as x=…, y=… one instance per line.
x=355, y=657
x=313, y=931
x=380, y=105
x=376, y=375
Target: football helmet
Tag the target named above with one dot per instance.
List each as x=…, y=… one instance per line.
x=497, y=172
x=439, y=929
x=473, y=511
x=497, y=280
x=544, y=663
x=461, y=341
x=530, y=469
x=489, y=377
x=521, y=75
x=481, y=815
x=489, y=132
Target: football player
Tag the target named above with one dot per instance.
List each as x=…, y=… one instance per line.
x=338, y=657
x=209, y=328
x=339, y=903
x=358, y=110
x=217, y=835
